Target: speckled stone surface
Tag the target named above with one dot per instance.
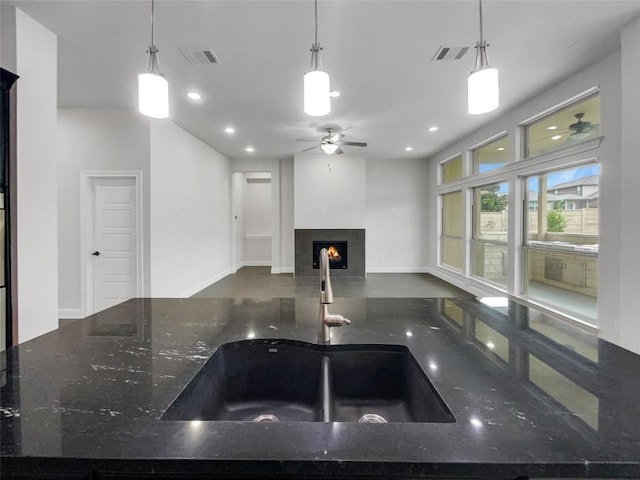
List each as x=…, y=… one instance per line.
x=531, y=397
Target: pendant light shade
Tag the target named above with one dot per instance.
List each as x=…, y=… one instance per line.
x=317, y=101
x=153, y=87
x=482, y=85
x=483, y=90
x=329, y=148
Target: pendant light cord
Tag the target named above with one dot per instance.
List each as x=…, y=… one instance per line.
x=481, y=36
x=316, y=19
x=152, y=22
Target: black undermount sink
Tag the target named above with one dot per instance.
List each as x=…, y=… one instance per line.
x=291, y=381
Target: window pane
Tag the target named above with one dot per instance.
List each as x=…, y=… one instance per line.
x=452, y=214
x=491, y=156
x=490, y=214
x=452, y=170
x=561, y=263
x=490, y=219
x=451, y=242
x=573, y=124
x=490, y=262
x=451, y=249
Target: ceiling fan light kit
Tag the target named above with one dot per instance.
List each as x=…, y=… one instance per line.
x=317, y=99
x=329, y=148
x=482, y=85
x=153, y=87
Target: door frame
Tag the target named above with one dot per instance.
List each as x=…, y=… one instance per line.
x=86, y=232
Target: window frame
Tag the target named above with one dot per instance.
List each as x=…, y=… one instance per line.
x=522, y=127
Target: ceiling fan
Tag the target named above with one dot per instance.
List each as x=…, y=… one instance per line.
x=581, y=129
x=332, y=143
x=577, y=131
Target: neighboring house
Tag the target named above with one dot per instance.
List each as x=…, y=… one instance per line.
x=575, y=195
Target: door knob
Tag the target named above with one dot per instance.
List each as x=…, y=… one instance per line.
x=96, y=254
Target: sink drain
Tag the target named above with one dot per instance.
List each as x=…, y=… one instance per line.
x=266, y=418
x=372, y=418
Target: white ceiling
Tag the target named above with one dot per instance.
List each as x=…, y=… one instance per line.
x=378, y=54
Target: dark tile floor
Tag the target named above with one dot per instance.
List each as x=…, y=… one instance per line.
x=258, y=282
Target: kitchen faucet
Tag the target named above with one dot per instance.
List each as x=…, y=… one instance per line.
x=326, y=319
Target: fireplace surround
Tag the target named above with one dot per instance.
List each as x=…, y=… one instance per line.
x=350, y=244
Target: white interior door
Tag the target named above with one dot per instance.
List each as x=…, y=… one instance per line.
x=113, y=247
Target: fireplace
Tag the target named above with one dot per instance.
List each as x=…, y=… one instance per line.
x=337, y=253
x=350, y=246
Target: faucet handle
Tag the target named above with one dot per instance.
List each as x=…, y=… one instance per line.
x=337, y=320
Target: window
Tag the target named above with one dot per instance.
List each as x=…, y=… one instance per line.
x=491, y=156
x=561, y=239
x=451, y=169
x=490, y=232
x=451, y=239
x=570, y=125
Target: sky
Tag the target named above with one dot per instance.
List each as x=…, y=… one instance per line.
x=553, y=179
x=563, y=176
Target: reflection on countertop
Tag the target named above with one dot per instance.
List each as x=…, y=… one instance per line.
x=532, y=396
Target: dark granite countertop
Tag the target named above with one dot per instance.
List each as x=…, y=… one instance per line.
x=532, y=397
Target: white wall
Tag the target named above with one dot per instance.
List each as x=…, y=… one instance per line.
x=36, y=192
x=8, y=37
x=618, y=266
x=287, y=234
x=237, y=219
x=189, y=218
x=94, y=140
x=619, y=321
x=329, y=198
x=397, y=226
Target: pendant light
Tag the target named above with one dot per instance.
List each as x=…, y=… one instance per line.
x=483, y=87
x=317, y=101
x=153, y=87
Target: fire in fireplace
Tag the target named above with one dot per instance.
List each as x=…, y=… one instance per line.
x=337, y=252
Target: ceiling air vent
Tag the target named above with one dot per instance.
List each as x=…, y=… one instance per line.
x=200, y=56
x=450, y=53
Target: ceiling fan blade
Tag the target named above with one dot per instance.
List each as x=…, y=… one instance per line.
x=310, y=148
x=339, y=151
x=306, y=140
x=353, y=144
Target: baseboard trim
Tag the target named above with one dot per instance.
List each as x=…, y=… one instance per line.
x=71, y=313
x=397, y=269
x=254, y=263
x=204, y=284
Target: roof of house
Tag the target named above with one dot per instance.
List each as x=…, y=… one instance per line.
x=590, y=180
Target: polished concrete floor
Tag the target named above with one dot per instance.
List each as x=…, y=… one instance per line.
x=258, y=282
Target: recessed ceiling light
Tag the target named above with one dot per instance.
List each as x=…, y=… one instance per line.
x=334, y=94
x=194, y=95
x=500, y=149
x=249, y=149
x=433, y=129
x=408, y=333
x=556, y=137
x=408, y=149
x=229, y=130
x=552, y=127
